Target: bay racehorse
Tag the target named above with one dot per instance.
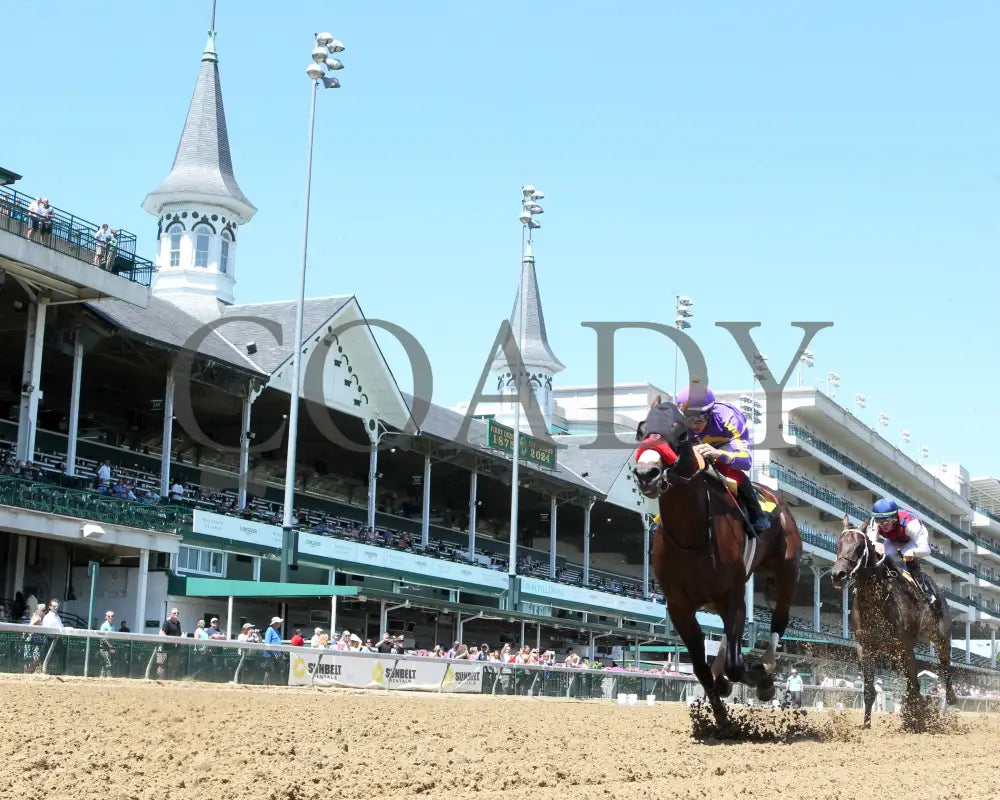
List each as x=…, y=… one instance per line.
x=889, y=614
x=698, y=554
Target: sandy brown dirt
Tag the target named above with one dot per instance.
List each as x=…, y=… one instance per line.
x=137, y=741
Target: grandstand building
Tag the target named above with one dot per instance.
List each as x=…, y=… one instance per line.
x=145, y=433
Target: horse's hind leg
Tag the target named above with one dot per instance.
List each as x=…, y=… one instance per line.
x=942, y=643
x=784, y=593
x=722, y=685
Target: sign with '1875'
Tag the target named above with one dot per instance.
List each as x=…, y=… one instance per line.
x=500, y=437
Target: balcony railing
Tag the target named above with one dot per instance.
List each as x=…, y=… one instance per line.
x=818, y=539
x=74, y=237
x=952, y=561
x=828, y=496
x=957, y=598
x=82, y=504
x=802, y=434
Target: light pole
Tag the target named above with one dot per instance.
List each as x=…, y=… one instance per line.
x=805, y=360
x=684, y=313
x=323, y=61
x=832, y=382
x=529, y=209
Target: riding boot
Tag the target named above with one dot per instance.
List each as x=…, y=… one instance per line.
x=748, y=495
x=913, y=566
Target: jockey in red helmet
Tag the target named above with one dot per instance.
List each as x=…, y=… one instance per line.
x=902, y=535
x=720, y=433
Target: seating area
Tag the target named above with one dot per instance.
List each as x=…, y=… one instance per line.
x=133, y=499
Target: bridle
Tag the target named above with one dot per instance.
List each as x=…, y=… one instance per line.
x=669, y=460
x=863, y=560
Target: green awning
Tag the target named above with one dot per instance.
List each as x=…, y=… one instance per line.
x=219, y=587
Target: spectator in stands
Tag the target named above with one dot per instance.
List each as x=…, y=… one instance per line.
x=354, y=643
x=101, y=238
x=795, y=688
x=323, y=643
x=172, y=624
x=123, y=628
x=104, y=477
x=273, y=633
x=314, y=642
x=176, y=491
x=297, y=640
x=384, y=644
x=213, y=629
x=245, y=633
x=879, y=695
x=34, y=217
x=107, y=648
x=52, y=618
x=47, y=216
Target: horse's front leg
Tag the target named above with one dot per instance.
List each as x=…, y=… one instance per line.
x=868, y=674
x=687, y=627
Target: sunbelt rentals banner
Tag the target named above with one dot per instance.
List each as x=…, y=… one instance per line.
x=333, y=669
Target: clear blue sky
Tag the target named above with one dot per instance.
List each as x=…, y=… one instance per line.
x=776, y=161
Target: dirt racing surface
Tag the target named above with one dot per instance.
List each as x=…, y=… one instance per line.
x=85, y=740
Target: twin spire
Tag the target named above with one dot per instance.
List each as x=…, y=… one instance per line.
x=203, y=166
x=535, y=349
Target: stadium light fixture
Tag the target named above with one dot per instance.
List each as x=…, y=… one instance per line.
x=805, y=360
x=529, y=208
x=325, y=46
x=832, y=382
x=684, y=313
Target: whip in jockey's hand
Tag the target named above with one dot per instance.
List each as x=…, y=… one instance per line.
x=708, y=452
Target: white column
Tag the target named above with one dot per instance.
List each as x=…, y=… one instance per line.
x=473, y=506
x=372, y=482
x=333, y=604
x=31, y=377
x=74, y=404
x=425, y=517
x=993, y=647
x=22, y=548
x=646, y=523
x=256, y=568
x=245, y=448
x=817, y=580
x=968, y=641
x=383, y=619
x=587, y=508
x=845, y=622
x=168, y=432
x=139, y=626
x=553, y=511
x=229, y=619
x=748, y=599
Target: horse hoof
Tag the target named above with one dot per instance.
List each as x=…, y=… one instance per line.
x=723, y=687
x=766, y=693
